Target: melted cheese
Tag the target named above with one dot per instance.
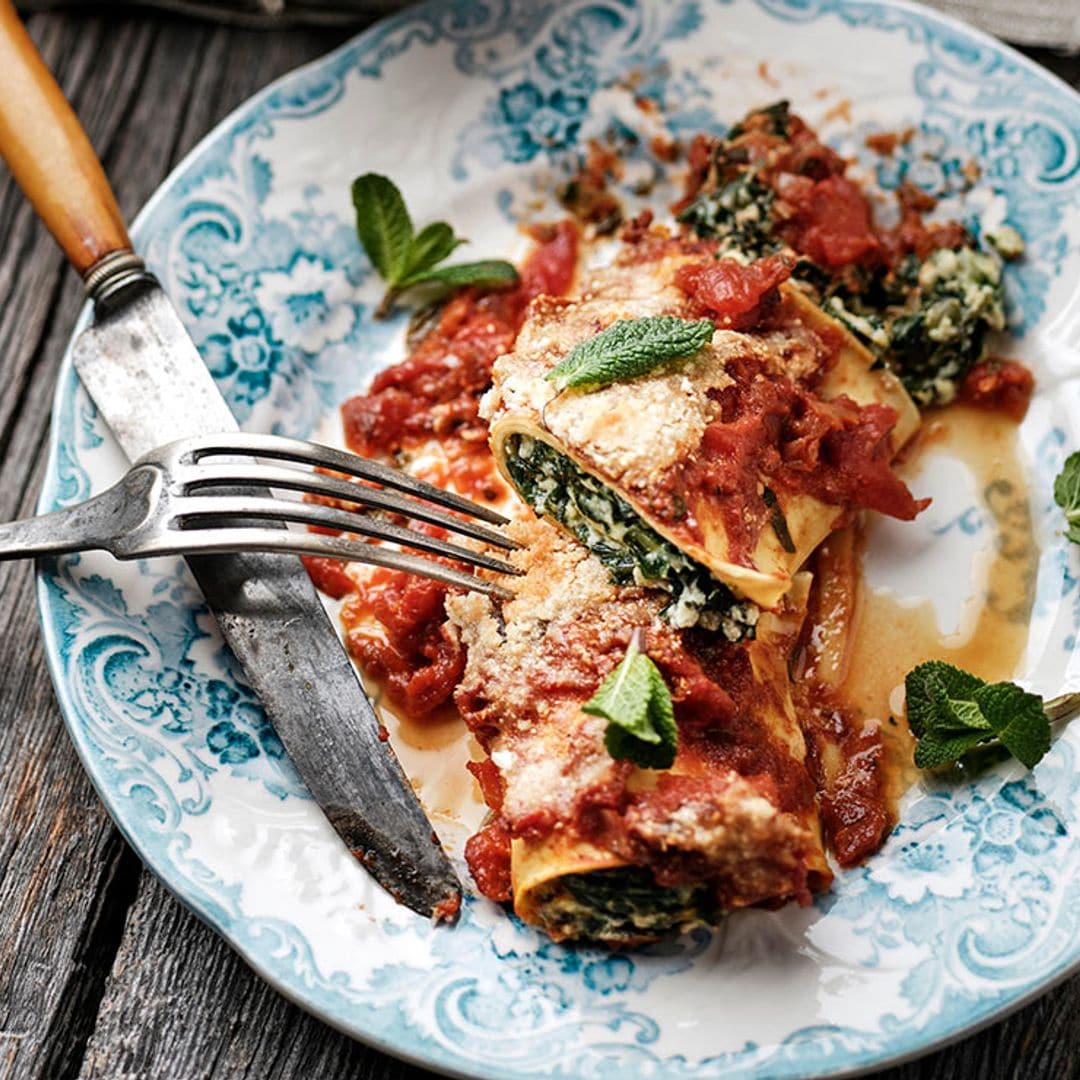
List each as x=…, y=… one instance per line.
x=547, y=749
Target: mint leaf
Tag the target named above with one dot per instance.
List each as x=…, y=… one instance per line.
x=433, y=244
x=950, y=712
x=635, y=701
x=625, y=747
x=383, y=225
x=929, y=688
x=486, y=272
x=968, y=714
x=662, y=718
x=1018, y=718
x=629, y=348
x=1067, y=495
x=623, y=697
x=402, y=259
x=936, y=749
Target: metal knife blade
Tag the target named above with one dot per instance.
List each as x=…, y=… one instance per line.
x=151, y=386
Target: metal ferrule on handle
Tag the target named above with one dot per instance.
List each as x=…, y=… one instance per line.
x=112, y=279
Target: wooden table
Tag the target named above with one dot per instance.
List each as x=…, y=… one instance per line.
x=103, y=973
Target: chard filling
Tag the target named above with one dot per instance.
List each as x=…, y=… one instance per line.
x=634, y=554
x=622, y=905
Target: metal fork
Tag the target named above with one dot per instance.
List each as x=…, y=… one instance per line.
x=195, y=497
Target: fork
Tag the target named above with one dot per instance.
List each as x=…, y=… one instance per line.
x=195, y=497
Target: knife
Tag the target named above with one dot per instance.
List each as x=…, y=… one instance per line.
x=151, y=386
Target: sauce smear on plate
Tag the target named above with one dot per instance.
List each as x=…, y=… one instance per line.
x=861, y=641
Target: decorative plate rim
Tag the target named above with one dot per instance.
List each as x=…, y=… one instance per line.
x=169, y=875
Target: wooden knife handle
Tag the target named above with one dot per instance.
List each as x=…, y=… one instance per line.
x=49, y=154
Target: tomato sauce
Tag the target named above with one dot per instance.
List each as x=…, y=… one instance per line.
x=704, y=672
x=999, y=386
x=853, y=796
x=732, y=294
x=329, y=575
x=487, y=854
x=395, y=624
x=915, y=236
x=395, y=628
x=720, y=707
x=818, y=210
x=699, y=159
x=772, y=870
x=436, y=391
x=831, y=222
x=775, y=434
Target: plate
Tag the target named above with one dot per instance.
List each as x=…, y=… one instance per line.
x=972, y=906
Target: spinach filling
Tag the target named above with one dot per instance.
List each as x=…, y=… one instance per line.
x=739, y=215
x=929, y=324
x=926, y=320
x=612, y=530
x=622, y=905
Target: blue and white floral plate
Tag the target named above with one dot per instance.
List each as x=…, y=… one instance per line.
x=475, y=107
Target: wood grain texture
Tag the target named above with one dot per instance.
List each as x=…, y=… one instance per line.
x=64, y=872
x=146, y=91
x=194, y=1010
x=102, y=973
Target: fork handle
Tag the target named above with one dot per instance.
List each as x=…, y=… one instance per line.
x=102, y=522
x=50, y=156
x=49, y=534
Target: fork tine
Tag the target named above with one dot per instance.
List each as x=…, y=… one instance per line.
x=197, y=477
x=299, y=450
x=285, y=541
x=213, y=508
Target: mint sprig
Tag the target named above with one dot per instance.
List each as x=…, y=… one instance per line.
x=1067, y=495
x=403, y=258
x=629, y=348
x=951, y=712
x=635, y=701
x=486, y=272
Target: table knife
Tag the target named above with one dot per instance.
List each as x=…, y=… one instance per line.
x=151, y=386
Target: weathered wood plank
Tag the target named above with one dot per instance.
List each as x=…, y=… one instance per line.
x=145, y=91
x=181, y=1004
x=64, y=872
x=1039, y=1042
